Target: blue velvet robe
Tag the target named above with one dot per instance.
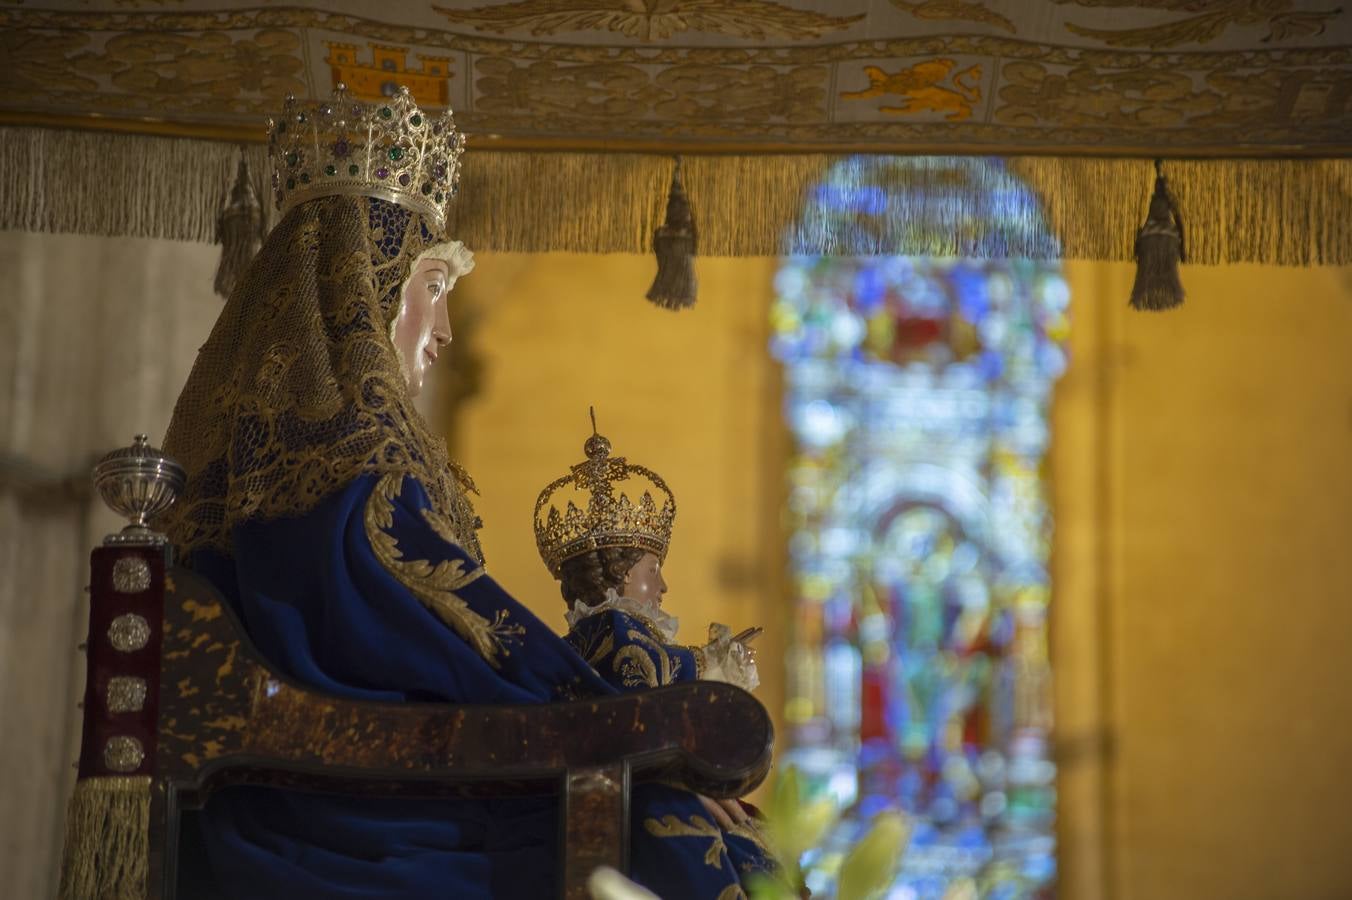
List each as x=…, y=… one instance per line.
x=337, y=610
x=629, y=652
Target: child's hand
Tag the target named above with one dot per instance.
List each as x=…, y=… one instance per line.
x=727, y=813
x=729, y=659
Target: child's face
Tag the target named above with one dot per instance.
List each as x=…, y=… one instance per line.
x=644, y=581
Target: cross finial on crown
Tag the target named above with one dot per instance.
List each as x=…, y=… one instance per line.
x=607, y=519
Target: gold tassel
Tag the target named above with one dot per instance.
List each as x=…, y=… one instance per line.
x=107, y=849
x=674, y=246
x=239, y=230
x=1159, y=250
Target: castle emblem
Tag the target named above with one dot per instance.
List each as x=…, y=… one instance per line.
x=388, y=71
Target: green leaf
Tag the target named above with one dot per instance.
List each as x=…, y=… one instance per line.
x=872, y=864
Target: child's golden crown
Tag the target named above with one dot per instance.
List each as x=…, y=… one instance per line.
x=389, y=149
x=610, y=518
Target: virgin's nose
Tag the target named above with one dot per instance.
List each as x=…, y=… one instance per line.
x=441, y=329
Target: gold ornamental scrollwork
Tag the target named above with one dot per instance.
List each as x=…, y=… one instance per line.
x=955, y=10
x=131, y=575
x=671, y=826
x=211, y=72
x=435, y=584
x=1207, y=22
x=1033, y=94
x=747, y=19
x=715, y=94
x=129, y=632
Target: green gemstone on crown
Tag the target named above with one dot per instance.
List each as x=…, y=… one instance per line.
x=292, y=158
x=396, y=153
x=352, y=169
x=290, y=183
x=386, y=112
x=330, y=170
x=416, y=120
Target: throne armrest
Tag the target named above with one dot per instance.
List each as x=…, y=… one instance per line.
x=215, y=714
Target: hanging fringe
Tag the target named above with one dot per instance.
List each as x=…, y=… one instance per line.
x=1283, y=211
x=106, y=854
x=239, y=229
x=674, y=246
x=116, y=184
x=1159, y=250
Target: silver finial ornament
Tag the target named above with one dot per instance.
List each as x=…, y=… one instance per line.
x=138, y=482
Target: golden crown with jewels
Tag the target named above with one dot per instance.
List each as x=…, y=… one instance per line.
x=388, y=149
x=608, y=519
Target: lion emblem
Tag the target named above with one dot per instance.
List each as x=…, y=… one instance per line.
x=921, y=90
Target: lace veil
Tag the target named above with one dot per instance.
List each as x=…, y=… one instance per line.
x=298, y=390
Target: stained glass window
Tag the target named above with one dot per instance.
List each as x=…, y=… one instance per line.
x=917, y=393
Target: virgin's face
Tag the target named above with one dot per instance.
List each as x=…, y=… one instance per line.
x=423, y=328
x=644, y=580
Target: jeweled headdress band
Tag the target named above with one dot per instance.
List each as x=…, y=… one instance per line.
x=389, y=149
x=609, y=519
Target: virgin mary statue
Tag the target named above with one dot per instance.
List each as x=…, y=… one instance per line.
x=324, y=510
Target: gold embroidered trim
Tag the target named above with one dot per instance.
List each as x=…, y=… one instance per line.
x=750, y=831
x=701, y=661
x=671, y=826
x=637, y=668
x=595, y=651
x=434, y=585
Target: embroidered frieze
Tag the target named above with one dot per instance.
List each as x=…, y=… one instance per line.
x=1094, y=74
x=753, y=19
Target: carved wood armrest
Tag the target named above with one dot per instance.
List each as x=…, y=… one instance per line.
x=217, y=714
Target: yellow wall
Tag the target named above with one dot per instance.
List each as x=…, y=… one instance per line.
x=1222, y=582
x=1202, y=478
x=693, y=396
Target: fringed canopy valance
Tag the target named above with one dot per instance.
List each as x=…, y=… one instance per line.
x=1289, y=212
x=764, y=98
x=1103, y=77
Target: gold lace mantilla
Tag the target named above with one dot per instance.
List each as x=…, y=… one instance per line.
x=298, y=390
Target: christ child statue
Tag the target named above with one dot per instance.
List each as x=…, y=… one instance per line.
x=607, y=550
